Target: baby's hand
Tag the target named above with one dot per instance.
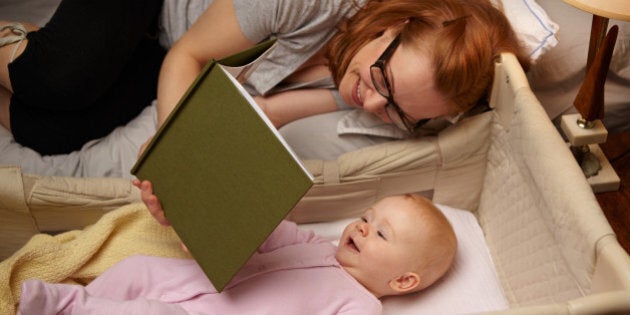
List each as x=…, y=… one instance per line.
x=151, y=201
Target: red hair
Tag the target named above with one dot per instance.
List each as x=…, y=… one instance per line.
x=464, y=38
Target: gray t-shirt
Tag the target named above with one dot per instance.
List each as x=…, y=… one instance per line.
x=301, y=28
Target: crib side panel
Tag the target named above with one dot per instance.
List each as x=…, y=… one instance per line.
x=542, y=222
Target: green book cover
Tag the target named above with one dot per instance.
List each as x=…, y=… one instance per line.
x=222, y=172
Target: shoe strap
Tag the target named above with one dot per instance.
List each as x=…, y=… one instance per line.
x=20, y=34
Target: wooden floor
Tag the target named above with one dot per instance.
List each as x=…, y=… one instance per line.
x=616, y=205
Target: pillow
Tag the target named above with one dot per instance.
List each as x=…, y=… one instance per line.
x=531, y=24
x=470, y=286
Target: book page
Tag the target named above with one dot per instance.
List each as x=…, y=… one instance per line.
x=252, y=102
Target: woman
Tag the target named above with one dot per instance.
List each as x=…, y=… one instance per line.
x=402, y=61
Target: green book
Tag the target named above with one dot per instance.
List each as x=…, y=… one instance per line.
x=222, y=172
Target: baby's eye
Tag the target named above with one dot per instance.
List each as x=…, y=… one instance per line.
x=364, y=219
x=381, y=235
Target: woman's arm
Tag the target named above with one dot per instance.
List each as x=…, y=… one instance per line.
x=216, y=34
x=285, y=107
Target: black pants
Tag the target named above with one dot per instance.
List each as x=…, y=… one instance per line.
x=92, y=68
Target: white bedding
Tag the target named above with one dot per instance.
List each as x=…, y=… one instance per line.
x=470, y=286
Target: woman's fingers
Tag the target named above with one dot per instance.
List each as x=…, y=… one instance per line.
x=151, y=201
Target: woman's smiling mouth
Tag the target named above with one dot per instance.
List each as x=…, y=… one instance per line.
x=356, y=94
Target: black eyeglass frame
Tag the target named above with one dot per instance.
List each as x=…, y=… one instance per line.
x=379, y=65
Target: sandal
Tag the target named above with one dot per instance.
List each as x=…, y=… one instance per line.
x=19, y=32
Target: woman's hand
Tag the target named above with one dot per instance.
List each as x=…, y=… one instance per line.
x=151, y=201
x=143, y=147
x=153, y=204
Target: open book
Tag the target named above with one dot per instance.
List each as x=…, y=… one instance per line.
x=222, y=172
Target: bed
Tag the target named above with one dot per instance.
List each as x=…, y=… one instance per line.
x=551, y=248
x=505, y=175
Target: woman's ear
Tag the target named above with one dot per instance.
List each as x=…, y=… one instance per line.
x=405, y=283
x=393, y=31
x=389, y=34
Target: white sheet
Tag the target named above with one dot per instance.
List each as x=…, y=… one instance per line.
x=532, y=25
x=470, y=286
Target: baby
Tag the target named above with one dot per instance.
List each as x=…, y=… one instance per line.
x=401, y=244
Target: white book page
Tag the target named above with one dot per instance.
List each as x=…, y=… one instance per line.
x=262, y=114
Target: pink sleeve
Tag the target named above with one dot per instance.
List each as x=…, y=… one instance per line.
x=287, y=233
x=40, y=298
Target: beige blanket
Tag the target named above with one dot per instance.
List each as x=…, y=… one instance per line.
x=81, y=255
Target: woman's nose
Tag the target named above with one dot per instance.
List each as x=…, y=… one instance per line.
x=374, y=102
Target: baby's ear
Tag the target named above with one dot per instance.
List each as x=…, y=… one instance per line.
x=406, y=283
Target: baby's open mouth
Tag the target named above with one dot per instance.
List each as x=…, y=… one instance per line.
x=352, y=245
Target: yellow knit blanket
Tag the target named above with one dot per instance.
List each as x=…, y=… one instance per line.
x=81, y=255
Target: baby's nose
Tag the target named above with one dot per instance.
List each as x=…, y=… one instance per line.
x=363, y=227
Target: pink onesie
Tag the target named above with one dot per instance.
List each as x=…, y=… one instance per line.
x=293, y=272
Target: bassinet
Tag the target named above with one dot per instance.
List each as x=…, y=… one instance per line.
x=553, y=249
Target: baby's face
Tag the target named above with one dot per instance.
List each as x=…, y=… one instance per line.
x=383, y=244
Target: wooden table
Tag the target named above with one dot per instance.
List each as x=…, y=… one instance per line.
x=616, y=204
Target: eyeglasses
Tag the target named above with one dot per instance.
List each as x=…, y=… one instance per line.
x=383, y=87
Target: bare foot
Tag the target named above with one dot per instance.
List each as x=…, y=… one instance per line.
x=5, y=100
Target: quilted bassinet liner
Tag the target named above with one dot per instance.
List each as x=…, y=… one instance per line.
x=552, y=247
x=31, y=204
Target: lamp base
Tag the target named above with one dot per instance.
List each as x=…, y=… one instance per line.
x=579, y=136
x=583, y=143
x=588, y=161
x=606, y=178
